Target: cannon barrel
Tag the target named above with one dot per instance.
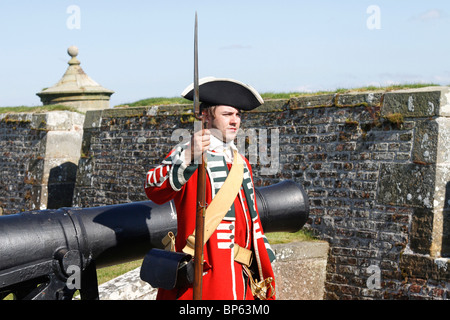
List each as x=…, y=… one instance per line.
x=39, y=243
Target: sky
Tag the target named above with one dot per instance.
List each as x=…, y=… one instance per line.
x=143, y=49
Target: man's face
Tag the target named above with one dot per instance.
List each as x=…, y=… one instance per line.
x=227, y=121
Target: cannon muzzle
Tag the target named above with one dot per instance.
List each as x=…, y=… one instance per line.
x=41, y=250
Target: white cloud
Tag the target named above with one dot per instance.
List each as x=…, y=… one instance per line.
x=305, y=88
x=443, y=79
x=386, y=79
x=430, y=15
x=410, y=77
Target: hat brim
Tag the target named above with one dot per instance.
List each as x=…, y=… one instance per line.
x=222, y=91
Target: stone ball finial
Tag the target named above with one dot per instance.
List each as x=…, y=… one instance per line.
x=72, y=51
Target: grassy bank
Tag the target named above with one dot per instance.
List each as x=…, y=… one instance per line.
x=179, y=100
x=277, y=95
x=38, y=109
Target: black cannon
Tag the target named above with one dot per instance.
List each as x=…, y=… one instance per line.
x=49, y=254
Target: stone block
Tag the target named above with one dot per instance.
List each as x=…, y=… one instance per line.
x=92, y=119
x=444, y=109
x=275, y=105
x=412, y=103
x=425, y=267
x=300, y=270
x=326, y=100
x=359, y=99
x=128, y=286
x=421, y=230
x=63, y=145
x=407, y=184
x=425, y=146
x=443, y=152
x=64, y=120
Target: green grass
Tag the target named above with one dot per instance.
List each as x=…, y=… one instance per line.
x=108, y=273
x=277, y=95
x=288, y=95
x=389, y=88
x=179, y=100
x=286, y=237
x=38, y=109
x=155, y=101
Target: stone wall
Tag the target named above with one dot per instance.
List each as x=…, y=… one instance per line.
x=375, y=166
x=21, y=162
x=119, y=146
x=40, y=154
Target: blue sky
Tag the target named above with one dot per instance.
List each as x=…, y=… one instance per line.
x=143, y=49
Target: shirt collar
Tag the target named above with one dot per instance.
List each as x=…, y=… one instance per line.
x=219, y=146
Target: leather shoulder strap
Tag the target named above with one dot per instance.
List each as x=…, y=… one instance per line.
x=221, y=203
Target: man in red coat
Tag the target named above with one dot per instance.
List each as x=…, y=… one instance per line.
x=175, y=179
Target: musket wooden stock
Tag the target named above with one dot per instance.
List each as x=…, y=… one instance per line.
x=201, y=188
x=199, y=230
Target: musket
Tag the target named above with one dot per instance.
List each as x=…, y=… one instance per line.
x=201, y=185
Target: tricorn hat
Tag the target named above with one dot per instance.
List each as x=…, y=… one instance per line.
x=221, y=91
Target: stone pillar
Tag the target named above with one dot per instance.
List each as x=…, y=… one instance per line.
x=423, y=184
x=62, y=153
x=44, y=149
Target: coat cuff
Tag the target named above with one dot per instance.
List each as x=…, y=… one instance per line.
x=180, y=172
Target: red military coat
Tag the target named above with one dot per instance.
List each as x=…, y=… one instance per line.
x=223, y=277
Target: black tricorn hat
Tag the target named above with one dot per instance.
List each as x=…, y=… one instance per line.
x=228, y=92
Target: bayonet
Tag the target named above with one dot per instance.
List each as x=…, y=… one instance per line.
x=196, y=85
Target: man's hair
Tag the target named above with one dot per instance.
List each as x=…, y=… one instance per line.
x=209, y=109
